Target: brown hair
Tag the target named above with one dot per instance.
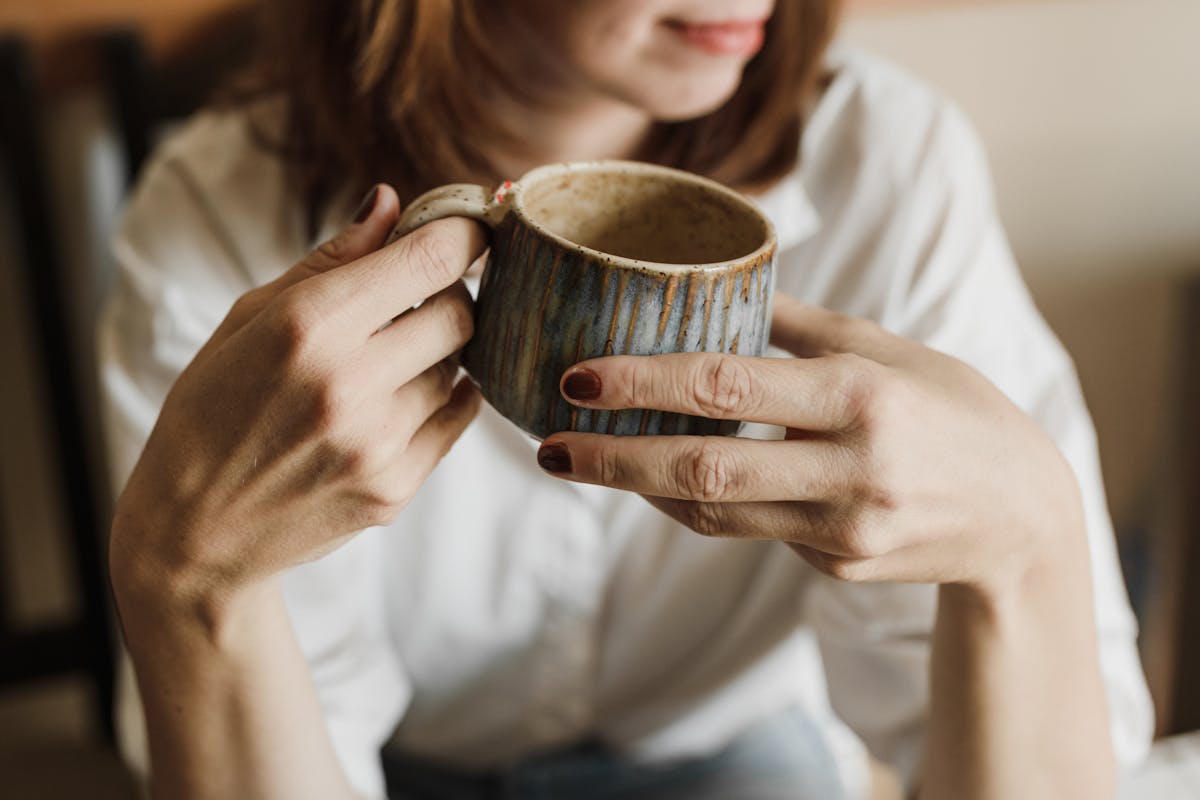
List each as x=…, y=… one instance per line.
x=394, y=90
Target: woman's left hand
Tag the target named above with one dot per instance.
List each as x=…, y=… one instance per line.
x=899, y=463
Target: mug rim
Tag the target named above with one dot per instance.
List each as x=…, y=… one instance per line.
x=547, y=171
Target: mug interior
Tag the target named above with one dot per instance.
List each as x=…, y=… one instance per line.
x=648, y=214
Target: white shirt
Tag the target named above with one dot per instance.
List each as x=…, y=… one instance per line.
x=505, y=611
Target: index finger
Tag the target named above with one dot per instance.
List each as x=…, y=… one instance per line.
x=380, y=286
x=819, y=394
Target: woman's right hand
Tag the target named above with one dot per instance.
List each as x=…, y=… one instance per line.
x=303, y=419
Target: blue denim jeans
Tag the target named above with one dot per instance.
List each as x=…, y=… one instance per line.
x=784, y=756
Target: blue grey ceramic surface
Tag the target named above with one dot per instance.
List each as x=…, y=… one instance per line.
x=613, y=258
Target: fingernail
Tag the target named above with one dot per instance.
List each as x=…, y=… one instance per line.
x=582, y=384
x=554, y=458
x=366, y=206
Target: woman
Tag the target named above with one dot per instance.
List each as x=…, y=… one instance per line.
x=505, y=630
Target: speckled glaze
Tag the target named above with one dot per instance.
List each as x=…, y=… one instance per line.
x=546, y=302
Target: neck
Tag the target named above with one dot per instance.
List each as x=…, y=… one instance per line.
x=581, y=132
x=555, y=115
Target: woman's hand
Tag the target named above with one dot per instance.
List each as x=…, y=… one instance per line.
x=899, y=463
x=317, y=408
x=306, y=416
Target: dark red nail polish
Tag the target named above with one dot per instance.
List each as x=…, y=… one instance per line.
x=366, y=206
x=554, y=458
x=582, y=384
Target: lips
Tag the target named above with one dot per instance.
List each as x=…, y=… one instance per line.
x=727, y=38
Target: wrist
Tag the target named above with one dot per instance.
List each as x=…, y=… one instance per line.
x=158, y=616
x=1055, y=572
x=160, y=593
x=1047, y=535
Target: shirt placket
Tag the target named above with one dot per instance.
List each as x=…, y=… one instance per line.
x=571, y=573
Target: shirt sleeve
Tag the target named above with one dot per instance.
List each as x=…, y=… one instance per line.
x=952, y=283
x=178, y=272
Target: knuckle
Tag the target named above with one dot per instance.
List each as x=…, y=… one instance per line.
x=388, y=511
x=249, y=304
x=861, y=385
x=459, y=316
x=636, y=382
x=444, y=374
x=707, y=519
x=430, y=252
x=880, y=485
x=298, y=324
x=817, y=558
x=370, y=512
x=849, y=570
x=706, y=473
x=353, y=464
x=608, y=466
x=365, y=463
x=879, y=495
x=389, y=495
x=381, y=493
x=724, y=386
x=337, y=250
x=860, y=540
x=332, y=405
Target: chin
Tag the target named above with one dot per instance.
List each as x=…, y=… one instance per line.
x=682, y=99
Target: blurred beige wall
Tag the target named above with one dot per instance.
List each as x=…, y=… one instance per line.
x=1090, y=110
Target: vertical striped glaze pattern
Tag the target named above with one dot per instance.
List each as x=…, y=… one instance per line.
x=543, y=307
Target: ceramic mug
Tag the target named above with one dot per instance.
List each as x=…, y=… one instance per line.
x=607, y=258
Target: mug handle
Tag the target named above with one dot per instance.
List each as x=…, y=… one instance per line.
x=454, y=200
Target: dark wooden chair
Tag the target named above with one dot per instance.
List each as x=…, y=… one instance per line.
x=1185, y=706
x=83, y=644
x=143, y=92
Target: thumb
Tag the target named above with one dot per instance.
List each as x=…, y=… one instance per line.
x=366, y=233
x=809, y=331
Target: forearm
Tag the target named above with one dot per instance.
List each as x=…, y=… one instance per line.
x=1018, y=707
x=229, y=704
x=297, y=424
